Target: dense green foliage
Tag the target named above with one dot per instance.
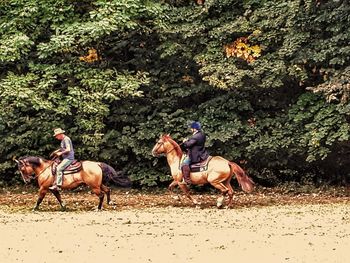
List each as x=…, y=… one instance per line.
x=117, y=74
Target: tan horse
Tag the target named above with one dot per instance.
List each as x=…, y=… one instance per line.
x=218, y=174
x=94, y=174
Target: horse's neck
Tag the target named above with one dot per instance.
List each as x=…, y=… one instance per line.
x=43, y=167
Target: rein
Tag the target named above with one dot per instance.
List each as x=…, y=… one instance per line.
x=174, y=148
x=169, y=150
x=36, y=176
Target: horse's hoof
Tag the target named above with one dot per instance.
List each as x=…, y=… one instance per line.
x=35, y=209
x=112, y=203
x=63, y=208
x=176, y=197
x=219, y=203
x=196, y=202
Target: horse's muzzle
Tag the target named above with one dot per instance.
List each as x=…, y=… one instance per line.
x=155, y=154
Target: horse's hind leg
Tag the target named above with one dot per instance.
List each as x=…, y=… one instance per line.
x=223, y=189
x=107, y=191
x=100, y=195
x=230, y=192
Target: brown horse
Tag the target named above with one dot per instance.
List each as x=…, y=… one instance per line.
x=94, y=174
x=218, y=174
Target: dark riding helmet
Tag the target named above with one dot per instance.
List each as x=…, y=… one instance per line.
x=195, y=125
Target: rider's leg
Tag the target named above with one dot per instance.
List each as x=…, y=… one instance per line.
x=60, y=168
x=185, y=168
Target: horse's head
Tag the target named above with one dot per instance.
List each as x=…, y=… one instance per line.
x=165, y=145
x=26, y=166
x=158, y=148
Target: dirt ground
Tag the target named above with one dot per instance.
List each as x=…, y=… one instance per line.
x=266, y=226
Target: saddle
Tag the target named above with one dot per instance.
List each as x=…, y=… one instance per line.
x=74, y=167
x=200, y=166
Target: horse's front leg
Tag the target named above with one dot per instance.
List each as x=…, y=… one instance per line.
x=171, y=187
x=42, y=193
x=186, y=191
x=57, y=194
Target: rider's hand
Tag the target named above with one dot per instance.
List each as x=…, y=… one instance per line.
x=184, y=140
x=58, y=154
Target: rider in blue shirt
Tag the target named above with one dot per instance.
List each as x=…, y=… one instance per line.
x=67, y=152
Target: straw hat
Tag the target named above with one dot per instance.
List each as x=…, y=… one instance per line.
x=58, y=131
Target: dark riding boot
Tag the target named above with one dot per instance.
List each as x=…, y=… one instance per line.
x=186, y=174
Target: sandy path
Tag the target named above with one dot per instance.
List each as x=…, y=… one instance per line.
x=301, y=233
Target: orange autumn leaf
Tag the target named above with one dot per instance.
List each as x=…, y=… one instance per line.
x=256, y=51
x=240, y=48
x=187, y=79
x=91, y=57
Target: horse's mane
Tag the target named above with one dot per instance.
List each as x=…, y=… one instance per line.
x=177, y=148
x=33, y=160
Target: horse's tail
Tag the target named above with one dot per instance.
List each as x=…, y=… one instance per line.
x=109, y=174
x=243, y=179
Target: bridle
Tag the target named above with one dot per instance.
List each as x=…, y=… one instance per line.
x=27, y=178
x=160, y=143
